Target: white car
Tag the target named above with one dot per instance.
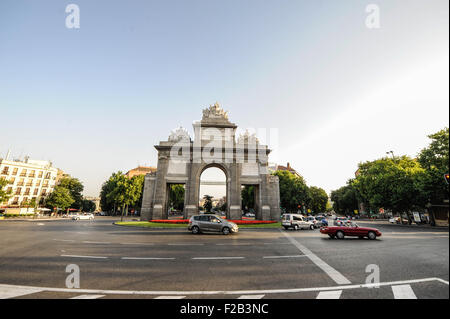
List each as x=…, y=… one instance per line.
x=296, y=222
x=88, y=216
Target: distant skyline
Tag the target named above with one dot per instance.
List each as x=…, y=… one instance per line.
x=95, y=100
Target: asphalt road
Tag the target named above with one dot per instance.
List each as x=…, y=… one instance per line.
x=124, y=262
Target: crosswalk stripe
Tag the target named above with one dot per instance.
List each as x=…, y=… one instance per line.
x=403, y=292
x=88, y=297
x=170, y=297
x=251, y=297
x=11, y=292
x=329, y=294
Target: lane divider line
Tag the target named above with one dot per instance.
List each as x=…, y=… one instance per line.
x=170, y=297
x=79, y=256
x=330, y=271
x=88, y=297
x=276, y=257
x=221, y=292
x=147, y=258
x=251, y=297
x=13, y=291
x=218, y=258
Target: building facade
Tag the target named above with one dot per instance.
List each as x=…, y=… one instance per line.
x=140, y=170
x=28, y=180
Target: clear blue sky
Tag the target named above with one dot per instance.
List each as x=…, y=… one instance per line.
x=95, y=100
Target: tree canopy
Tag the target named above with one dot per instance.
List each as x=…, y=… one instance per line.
x=319, y=199
x=293, y=191
x=4, y=194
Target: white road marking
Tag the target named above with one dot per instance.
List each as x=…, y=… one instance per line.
x=251, y=297
x=88, y=297
x=13, y=291
x=233, y=244
x=330, y=271
x=65, y=240
x=136, y=243
x=79, y=256
x=170, y=297
x=276, y=257
x=403, y=292
x=219, y=258
x=185, y=244
x=329, y=294
x=40, y=224
x=96, y=242
x=147, y=258
x=221, y=292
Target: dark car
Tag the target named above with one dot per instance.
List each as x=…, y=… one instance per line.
x=351, y=230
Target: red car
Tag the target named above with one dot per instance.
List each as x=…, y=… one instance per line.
x=350, y=230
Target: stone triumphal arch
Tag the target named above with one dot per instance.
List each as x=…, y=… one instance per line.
x=182, y=160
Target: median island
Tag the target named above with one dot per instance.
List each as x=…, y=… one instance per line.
x=184, y=223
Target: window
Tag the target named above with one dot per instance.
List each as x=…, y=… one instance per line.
x=15, y=171
x=36, y=190
x=20, y=183
x=24, y=173
x=38, y=182
x=27, y=191
x=9, y=190
x=47, y=176
x=12, y=180
x=5, y=170
x=44, y=192
x=204, y=218
x=32, y=174
x=18, y=190
x=15, y=201
x=45, y=184
x=30, y=182
x=40, y=174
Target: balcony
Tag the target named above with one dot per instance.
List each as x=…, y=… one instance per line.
x=5, y=173
x=23, y=175
x=30, y=184
x=20, y=184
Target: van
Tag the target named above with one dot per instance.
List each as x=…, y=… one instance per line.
x=296, y=222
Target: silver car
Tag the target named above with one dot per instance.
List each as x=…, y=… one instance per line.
x=211, y=223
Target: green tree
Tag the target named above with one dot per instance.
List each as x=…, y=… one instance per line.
x=4, y=195
x=345, y=199
x=389, y=183
x=60, y=198
x=75, y=188
x=435, y=161
x=319, y=199
x=208, y=203
x=87, y=205
x=248, y=197
x=293, y=191
x=176, y=198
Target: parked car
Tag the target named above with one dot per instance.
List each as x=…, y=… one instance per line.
x=86, y=216
x=211, y=223
x=339, y=221
x=296, y=222
x=317, y=222
x=352, y=230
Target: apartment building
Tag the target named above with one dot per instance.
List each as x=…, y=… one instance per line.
x=29, y=179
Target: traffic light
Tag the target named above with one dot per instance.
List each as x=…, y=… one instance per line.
x=447, y=177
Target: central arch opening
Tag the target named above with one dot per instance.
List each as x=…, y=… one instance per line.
x=213, y=192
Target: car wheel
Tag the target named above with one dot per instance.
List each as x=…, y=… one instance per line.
x=225, y=231
x=195, y=230
x=295, y=227
x=340, y=235
x=372, y=235
x=286, y=228
x=311, y=227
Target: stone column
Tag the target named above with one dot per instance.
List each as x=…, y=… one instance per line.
x=147, y=197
